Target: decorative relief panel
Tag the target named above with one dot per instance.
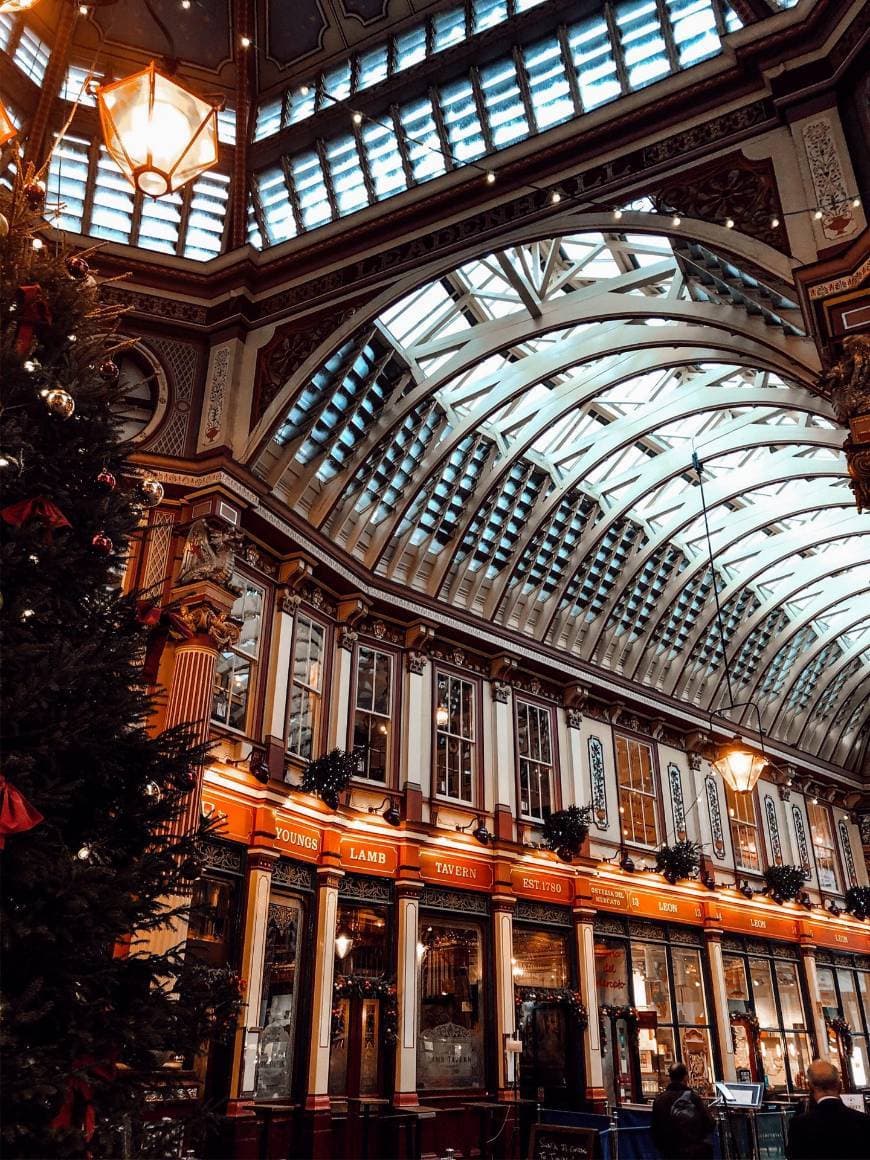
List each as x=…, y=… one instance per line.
x=829, y=184
x=471, y=902
x=598, y=783
x=715, y=811
x=181, y=361
x=366, y=889
x=675, y=781
x=294, y=874
x=848, y=856
x=216, y=395
x=542, y=912
x=800, y=832
x=222, y=856
x=773, y=829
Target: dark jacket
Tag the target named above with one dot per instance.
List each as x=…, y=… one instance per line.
x=669, y=1136
x=829, y=1131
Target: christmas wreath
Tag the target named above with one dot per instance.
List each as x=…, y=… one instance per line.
x=678, y=861
x=362, y=987
x=843, y=1030
x=562, y=996
x=565, y=831
x=329, y=774
x=784, y=882
x=629, y=1014
x=858, y=901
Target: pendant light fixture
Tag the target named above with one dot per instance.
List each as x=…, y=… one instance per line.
x=159, y=133
x=15, y=6
x=7, y=126
x=738, y=764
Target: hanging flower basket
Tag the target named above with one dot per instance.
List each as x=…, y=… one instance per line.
x=843, y=1031
x=858, y=901
x=561, y=996
x=566, y=830
x=681, y=860
x=783, y=883
x=327, y=776
x=362, y=987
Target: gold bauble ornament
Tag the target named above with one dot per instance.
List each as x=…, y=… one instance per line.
x=151, y=491
x=4, y=226
x=60, y=403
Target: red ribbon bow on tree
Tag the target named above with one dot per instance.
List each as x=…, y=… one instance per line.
x=38, y=508
x=17, y=815
x=33, y=311
x=77, y=1109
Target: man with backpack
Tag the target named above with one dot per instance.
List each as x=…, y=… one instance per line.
x=682, y=1126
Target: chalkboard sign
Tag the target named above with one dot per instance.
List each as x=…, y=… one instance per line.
x=555, y=1142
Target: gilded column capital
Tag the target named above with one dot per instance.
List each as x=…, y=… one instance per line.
x=205, y=620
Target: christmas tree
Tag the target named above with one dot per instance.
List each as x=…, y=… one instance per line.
x=89, y=853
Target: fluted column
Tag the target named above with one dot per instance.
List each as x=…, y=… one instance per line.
x=585, y=942
x=407, y=987
x=328, y=880
x=505, y=1010
x=261, y=863
x=202, y=628
x=721, y=1018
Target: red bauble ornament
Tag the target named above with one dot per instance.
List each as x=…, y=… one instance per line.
x=109, y=371
x=106, y=480
x=34, y=194
x=77, y=267
x=102, y=544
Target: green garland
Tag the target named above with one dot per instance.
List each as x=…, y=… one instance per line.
x=843, y=1030
x=362, y=987
x=562, y=996
x=858, y=901
x=329, y=774
x=784, y=882
x=750, y=1021
x=629, y=1014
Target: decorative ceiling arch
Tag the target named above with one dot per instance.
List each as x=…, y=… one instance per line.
x=514, y=437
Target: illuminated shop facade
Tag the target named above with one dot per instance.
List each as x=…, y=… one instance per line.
x=421, y=364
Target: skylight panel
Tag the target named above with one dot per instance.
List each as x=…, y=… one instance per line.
x=7, y=24
x=448, y=28
x=346, y=175
x=694, y=29
x=226, y=119
x=410, y=47
x=275, y=204
x=549, y=90
x=503, y=103
x=207, y=216
x=308, y=181
x=461, y=122
x=67, y=181
x=74, y=85
x=31, y=55
x=594, y=62
x=268, y=118
x=159, y=223
x=112, y=213
x=642, y=42
x=422, y=143
x=384, y=159
x=489, y=13
x=335, y=85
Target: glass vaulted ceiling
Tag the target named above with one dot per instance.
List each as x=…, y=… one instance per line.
x=516, y=439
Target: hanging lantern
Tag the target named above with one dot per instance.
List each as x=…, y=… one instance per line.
x=738, y=765
x=7, y=128
x=13, y=6
x=160, y=133
x=343, y=943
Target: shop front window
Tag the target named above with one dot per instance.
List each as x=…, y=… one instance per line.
x=844, y=992
x=540, y=958
x=744, y=829
x=361, y=958
x=450, y=1039
x=278, y=1000
x=372, y=715
x=768, y=989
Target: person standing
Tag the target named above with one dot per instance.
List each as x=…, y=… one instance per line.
x=828, y=1130
x=682, y=1126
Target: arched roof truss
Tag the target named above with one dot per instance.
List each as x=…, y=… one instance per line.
x=514, y=437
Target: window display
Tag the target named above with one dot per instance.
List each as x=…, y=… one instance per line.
x=451, y=1023
x=372, y=716
x=766, y=1003
x=278, y=1001
x=844, y=989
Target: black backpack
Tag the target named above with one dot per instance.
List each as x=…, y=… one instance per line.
x=686, y=1118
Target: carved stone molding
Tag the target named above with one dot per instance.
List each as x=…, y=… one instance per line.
x=209, y=552
x=501, y=692
x=416, y=662
x=574, y=718
x=289, y=602
x=695, y=760
x=204, y=619
x=347, y=638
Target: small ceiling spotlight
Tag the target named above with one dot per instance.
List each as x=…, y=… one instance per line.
x=490, y=178
x=729, y=223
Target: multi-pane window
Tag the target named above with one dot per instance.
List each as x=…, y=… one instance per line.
x=744, y=829
x=535, y=749
x=371, y=720
x=823, y=845
x=305, y=701
x=637, y=791
x=845, y=994
x=454, y=737
x=768, y=989
x=236, y=667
